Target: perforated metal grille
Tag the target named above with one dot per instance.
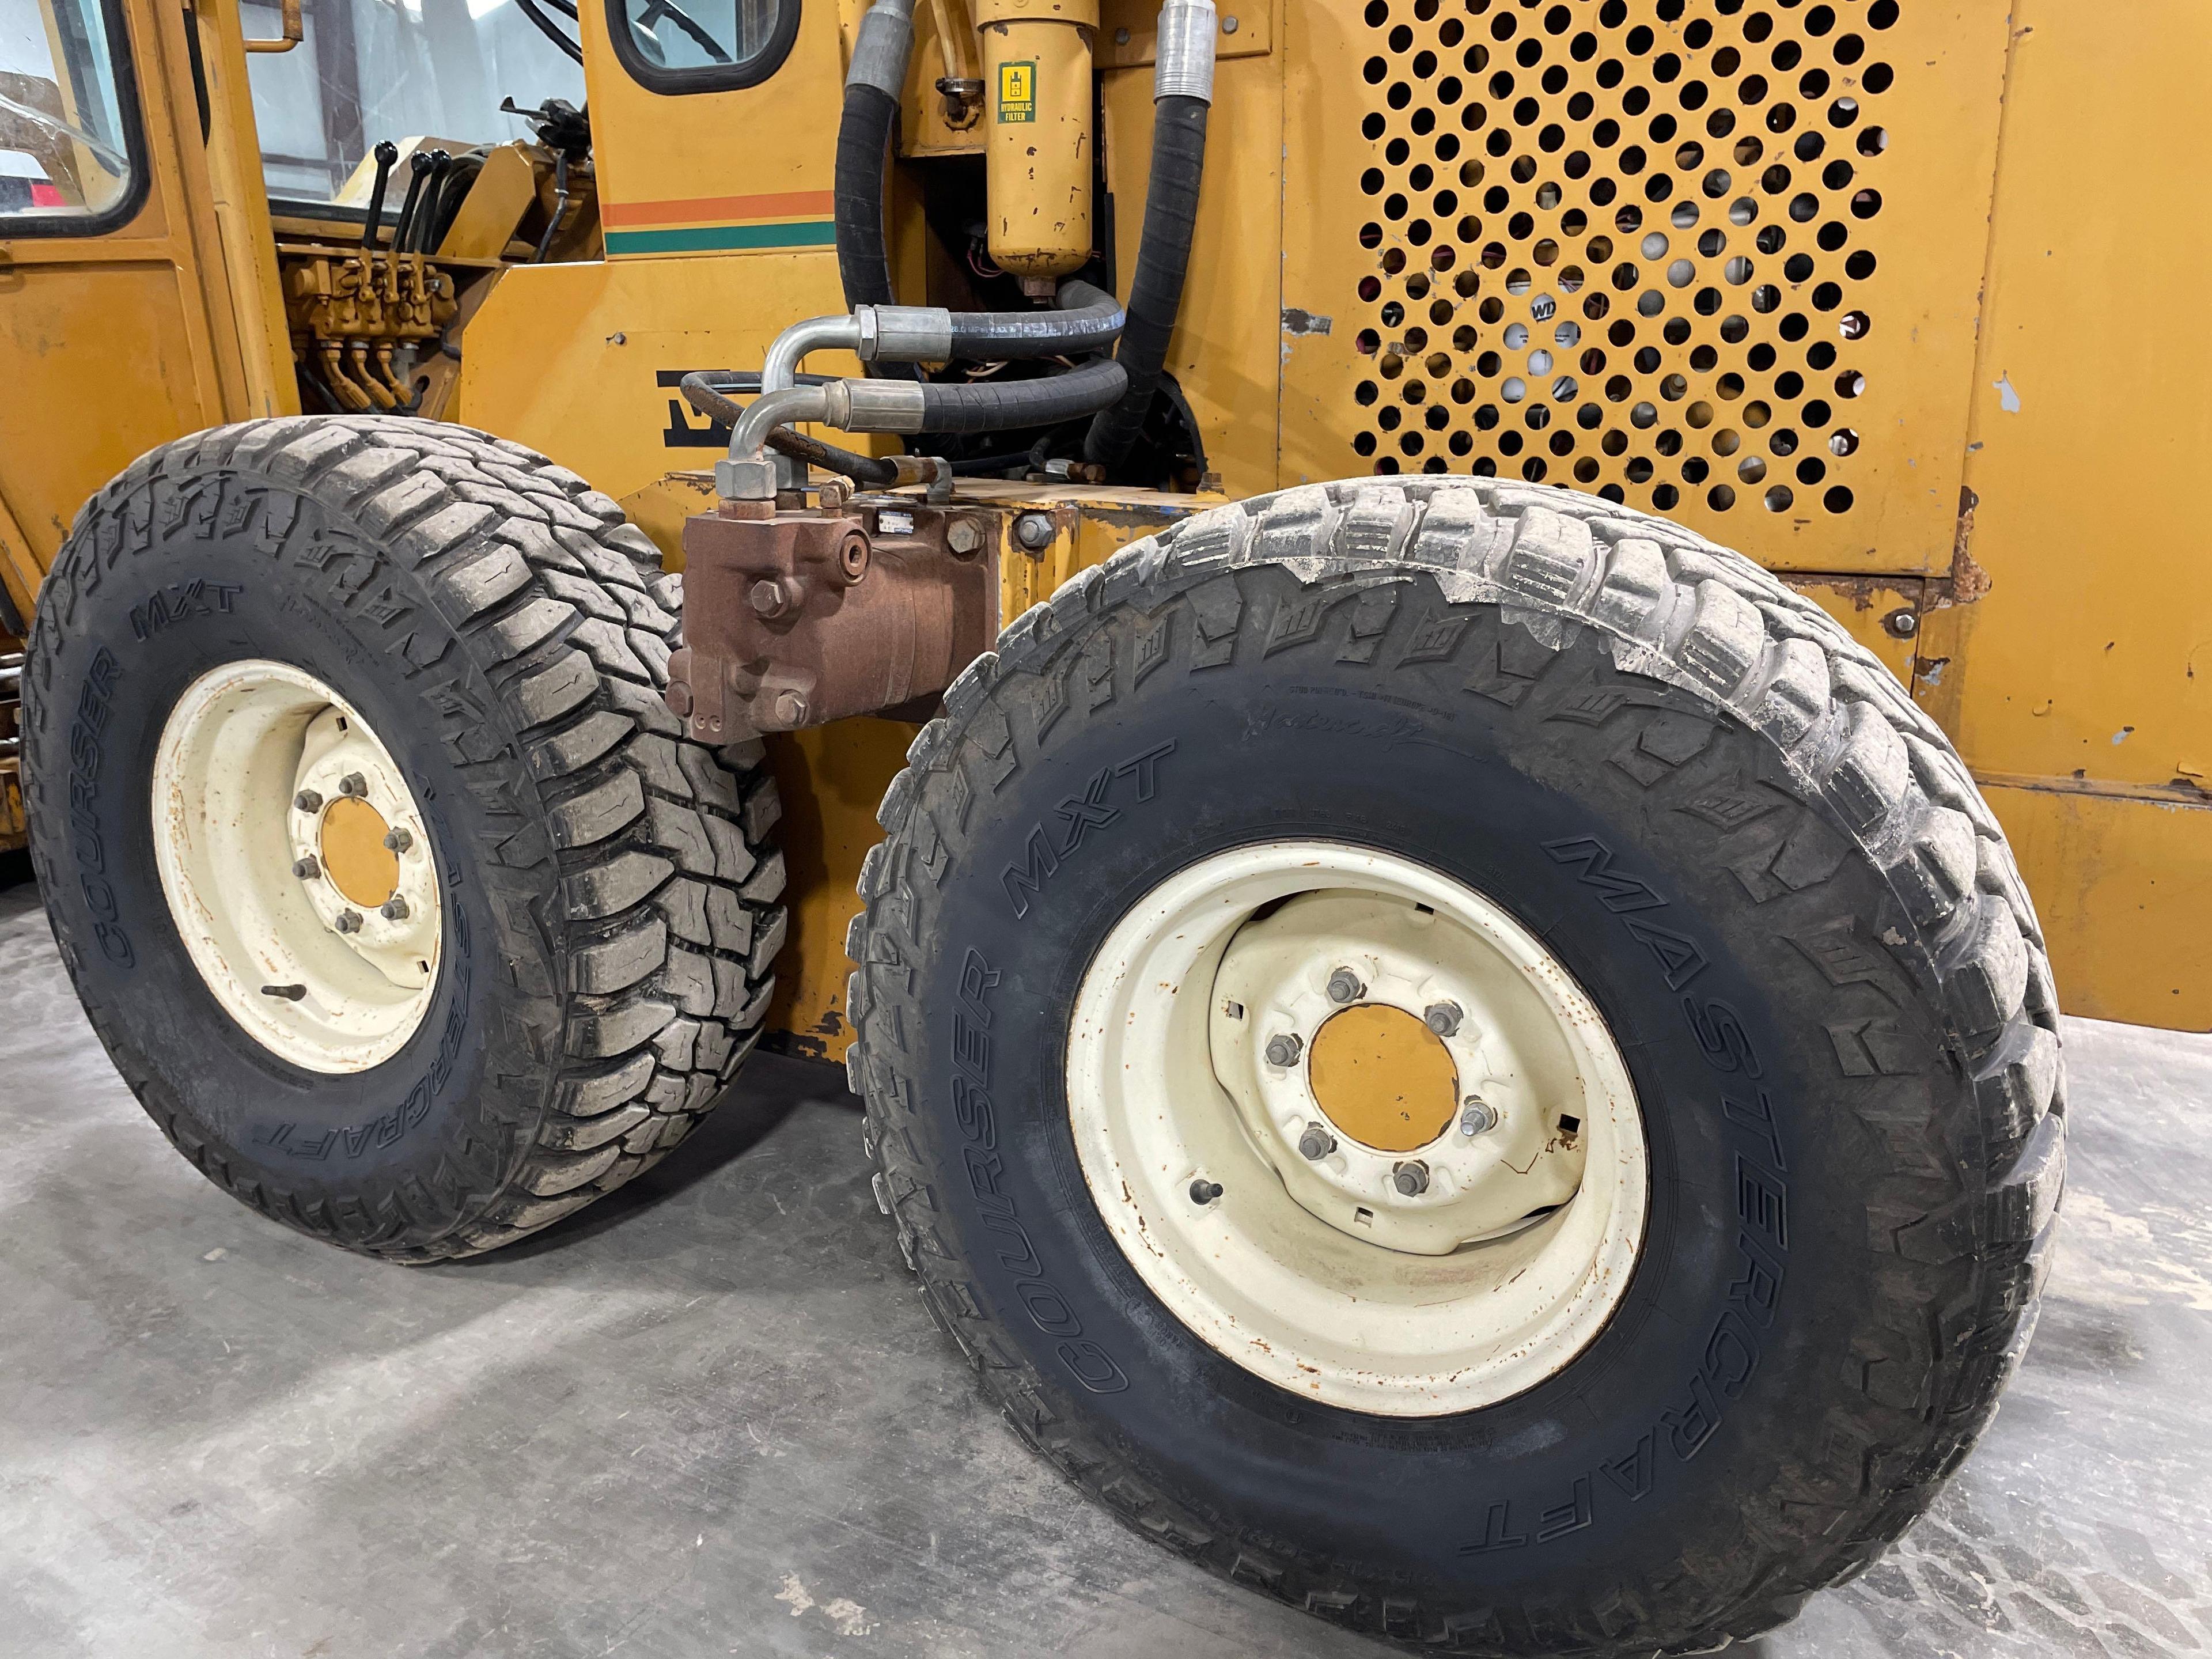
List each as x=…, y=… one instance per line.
x=1623, y=247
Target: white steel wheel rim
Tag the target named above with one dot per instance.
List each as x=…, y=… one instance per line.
x=1169, y=1093
x=314, y=974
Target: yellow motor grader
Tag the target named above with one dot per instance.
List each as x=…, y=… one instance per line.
x=1154, y=578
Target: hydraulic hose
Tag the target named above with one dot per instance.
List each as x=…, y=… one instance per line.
x=1182, y=90
x=904, y=406
x=1086, y=319
x=873, y=87
x=1046, y=401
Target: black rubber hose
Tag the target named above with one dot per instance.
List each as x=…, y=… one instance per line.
x=985, y=407
x=1089, y=320
x=1162, y=260
x=862, y=469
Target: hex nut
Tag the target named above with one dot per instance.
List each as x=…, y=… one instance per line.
x=306, y=869
x=1411, y=1178
x=791, y=710
x=1285, y=1048
x=1317, y=1142
x=307, y=801
x=353, y=784
x=1477, y=1117
x=393, y=908
x=398, y=841
x=964, y=537
x=1442, y=1018
x=1344, y=985
x=1034, y=531
x=348, y=921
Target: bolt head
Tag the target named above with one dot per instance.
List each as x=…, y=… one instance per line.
x=1283, y=1049
x=1411, y=1178
x=964, y=537
x=1317, y=1142
x=348, y=921
x=1442, y=1018
x=1901, y=623
x=1229, y=25
x=1344, y=985
x=769, y=598
x=1034, y=532
x=398, y=841
x=393, y=908
x=791, y=710
x=307, y=801
x=353, y=784
x=1121, y=37
x=306, y=869
x=1477, y=1117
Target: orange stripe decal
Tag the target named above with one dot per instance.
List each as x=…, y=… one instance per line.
x=724, y=210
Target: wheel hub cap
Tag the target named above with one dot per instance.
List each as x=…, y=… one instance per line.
x=1382, y=1077
x=360, y=865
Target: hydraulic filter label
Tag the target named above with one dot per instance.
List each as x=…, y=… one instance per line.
x=1018, y=92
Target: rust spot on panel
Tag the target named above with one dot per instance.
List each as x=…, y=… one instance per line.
x=1296, y=321
x=1969, y=581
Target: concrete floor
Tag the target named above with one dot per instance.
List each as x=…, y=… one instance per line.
x=710, y=1416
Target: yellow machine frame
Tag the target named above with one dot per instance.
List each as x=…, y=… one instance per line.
x=2017, y=542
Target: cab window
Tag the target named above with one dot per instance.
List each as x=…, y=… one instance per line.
x=702, y=46
x=373, y=70
x=70, y=159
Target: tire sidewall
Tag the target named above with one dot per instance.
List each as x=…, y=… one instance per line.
x=191, y=570
x=1574, y=803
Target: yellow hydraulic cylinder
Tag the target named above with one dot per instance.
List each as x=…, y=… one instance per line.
x=1036, y=80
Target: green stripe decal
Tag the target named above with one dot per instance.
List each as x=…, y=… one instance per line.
x=811, y=233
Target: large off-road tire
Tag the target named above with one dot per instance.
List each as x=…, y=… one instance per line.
x=594, y=897
x=1696, y=804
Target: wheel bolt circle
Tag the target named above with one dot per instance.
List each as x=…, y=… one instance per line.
x=1411, y=1177
x=348, y=921
x=306, y=869
x=1317, y=1142
x=1344, y=985
x=1442, y=1018
x=1285, y=1048
x=307, y=801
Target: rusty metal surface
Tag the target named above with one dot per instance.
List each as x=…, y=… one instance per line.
x=809, y=615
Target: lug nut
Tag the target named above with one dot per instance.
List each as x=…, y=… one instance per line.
x=353, y=784
x=1344, y=985
x=398, y=841
x=1477, y=1117
x=1411, y=1177
x=393, y=908
x=306, y=869
x=1442, y=1018
x=1284, y=1048
x=1034, y=532
x=307, y=801
x=348, y=921
x=1316, y=1143
x=1203, y=1191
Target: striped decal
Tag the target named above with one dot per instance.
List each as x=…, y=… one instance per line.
x=706, y=223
